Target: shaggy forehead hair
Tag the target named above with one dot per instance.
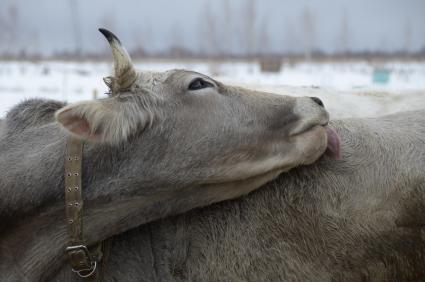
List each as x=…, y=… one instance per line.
x=145, y=83
x=118, y=117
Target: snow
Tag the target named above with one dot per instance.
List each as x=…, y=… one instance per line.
x=347, y=88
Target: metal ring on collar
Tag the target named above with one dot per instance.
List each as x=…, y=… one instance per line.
x=92, y=270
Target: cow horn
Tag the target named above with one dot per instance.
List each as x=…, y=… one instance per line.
x=125, y=74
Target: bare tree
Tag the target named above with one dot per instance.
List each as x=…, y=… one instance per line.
x=35, y=43
x=249, y=19
x=176, y=41
x=208, y=37
x=142, y=37
x=75, y=22
x=9, y=29
x=13, y=24
x=290, y=37
x=227, y=28
x=263, y=44
x=3, y=32
x=308, y=32
x=344, y=34
x=407, y=36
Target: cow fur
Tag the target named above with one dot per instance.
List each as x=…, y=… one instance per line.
x=358, y=219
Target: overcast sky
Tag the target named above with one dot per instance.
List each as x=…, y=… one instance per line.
x=330, y=25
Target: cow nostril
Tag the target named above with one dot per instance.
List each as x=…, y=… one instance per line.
x=317, y=101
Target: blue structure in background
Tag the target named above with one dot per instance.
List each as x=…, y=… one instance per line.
x=381, y=76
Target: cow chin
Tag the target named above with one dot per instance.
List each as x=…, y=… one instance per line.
x=311, y=148
x=216, y=192
x=301, y=149
x=310, y=145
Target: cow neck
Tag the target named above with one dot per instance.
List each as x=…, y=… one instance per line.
x=84, y=261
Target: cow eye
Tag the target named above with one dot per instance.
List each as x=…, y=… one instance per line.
x=199, y=83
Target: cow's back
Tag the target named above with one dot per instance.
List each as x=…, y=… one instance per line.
x=2, y=127
x=356, y=219
x=29, y=114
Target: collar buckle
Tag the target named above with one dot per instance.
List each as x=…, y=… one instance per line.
x=81, y=261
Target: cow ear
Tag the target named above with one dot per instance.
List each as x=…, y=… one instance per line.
x=104, y=121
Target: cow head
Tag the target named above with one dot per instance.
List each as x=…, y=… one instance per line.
x=190, y=130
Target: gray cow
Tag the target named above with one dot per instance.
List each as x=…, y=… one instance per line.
x=355, y=219
x=161, y=144
x=360, y=218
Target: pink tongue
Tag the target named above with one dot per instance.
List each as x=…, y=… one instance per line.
x=334, y=148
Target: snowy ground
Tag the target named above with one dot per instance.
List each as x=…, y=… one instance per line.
x=347, y=89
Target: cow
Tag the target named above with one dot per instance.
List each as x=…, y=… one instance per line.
x=360, y=218
x=161, y=144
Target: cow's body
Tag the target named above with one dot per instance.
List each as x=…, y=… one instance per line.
x=354, y=219
x=358, y=219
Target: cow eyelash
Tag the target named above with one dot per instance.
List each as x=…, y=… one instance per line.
x=199, y=83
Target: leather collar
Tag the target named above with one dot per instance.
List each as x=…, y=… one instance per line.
x=84, y=261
